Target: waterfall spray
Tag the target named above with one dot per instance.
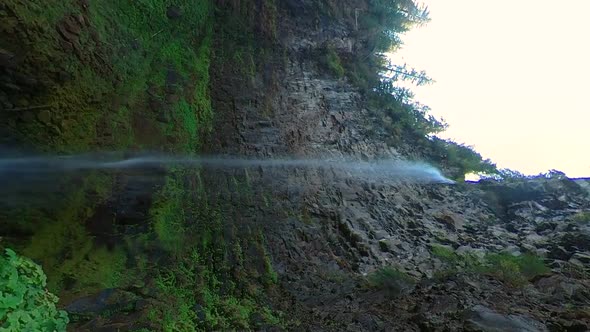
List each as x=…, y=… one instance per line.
x=381, y=169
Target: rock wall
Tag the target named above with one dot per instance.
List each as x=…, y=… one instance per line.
x=327, y=230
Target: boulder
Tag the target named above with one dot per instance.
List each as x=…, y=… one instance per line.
x=481, y=318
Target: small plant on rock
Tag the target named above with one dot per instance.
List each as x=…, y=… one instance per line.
x=391, y=280
x=514, y=270
x=582, y=217
x=443, y=253
x=333, y=62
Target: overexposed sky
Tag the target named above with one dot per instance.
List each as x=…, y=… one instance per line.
x=512, y=79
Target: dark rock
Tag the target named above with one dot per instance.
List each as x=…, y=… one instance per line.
x=85, y=4
x=73, y=25
x=44, y=117
x=11, y=86
x=6, y=58
x=200, y=312
x=106, y=300
x=560, y=288
x=135, y=45
x=174, y=12
x=576, y=242
x=559, y=252
x=66, y=34
x=481, y=318
x=25, y=80
x=28, y=116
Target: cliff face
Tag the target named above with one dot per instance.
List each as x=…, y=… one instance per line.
x=290, y=248
x=338, y=229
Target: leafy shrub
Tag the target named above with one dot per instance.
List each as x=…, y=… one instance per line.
x=582, y=217
x=454, y=263
x=333, y=62
x=443, y=253
x=463, y=158
x=25, y=303
x=514, y=270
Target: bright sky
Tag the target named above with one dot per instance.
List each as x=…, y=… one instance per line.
x=512, y=79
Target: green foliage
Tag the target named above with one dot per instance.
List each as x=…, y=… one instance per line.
x=197, y=288
x=125, y=49
x=392, y=73
x=101, y=268
x=462, y=158
x=582, y=217
x=167, y=214
x=61, y=242
x=385, y=20
x=390, y=280
x=271, y=275
x=404, y=120
x=444, y=253
x=514, y=270
x=25, y=303
x=268, y=14
x=393, y=105
x=333, y=62
x=509, y=175
x=380, y=28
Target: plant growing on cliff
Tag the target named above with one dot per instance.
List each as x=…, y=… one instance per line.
x=514, y=270
x=582, y=217
x=390, y=280
x=333, y=62
x=25, y=303
x=462, y=157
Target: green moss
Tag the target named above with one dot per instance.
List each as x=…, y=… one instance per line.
x=390, y=280
x=167, y=214
x=198, y=289
x=444, y=253
x=61, y=240
x=515, y=270
x=271, y=275
x=124, y=48
x=333, y=62
x=101, y=268
x=582, y=217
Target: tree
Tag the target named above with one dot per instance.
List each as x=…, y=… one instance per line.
x=386, y=19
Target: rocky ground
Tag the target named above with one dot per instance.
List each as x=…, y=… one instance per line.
x=328, y=250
